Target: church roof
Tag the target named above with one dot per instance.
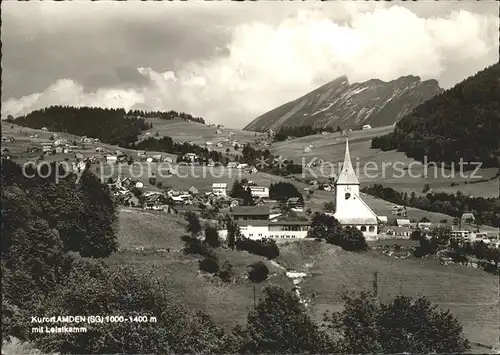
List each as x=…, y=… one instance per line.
x=347, y=175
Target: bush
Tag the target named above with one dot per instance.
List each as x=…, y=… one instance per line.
x=264, y=247
x=209, y=264
x=226, y=271
x=258, y=272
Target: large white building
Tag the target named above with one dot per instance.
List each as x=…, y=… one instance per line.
x=350, y=209
x=256, y=223
x=260, y=191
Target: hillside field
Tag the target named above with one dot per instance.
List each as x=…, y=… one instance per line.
x=380, y=168
x=470, y=294
x=226, y=303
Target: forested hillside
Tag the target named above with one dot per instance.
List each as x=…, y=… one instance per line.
x=463, y=122
x=113, y=126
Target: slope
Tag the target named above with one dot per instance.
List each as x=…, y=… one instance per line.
x=338, y=102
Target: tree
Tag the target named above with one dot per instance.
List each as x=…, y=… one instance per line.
x=401, y=325
x=329, y=206
x=425, y=220
x=93, y=289
x=258, y=272
x=209, y=264
x=194, y=225
x=226, y=271
x=426, y=188
x=280, y=324
x=233, y=232
x=352, y=239
x=324, y=227
x=212, y=237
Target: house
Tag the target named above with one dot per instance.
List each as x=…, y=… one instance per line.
x=295, y=203
x=157, y=158
x=461, y=235
x=251, y=213
x=424, y=225
x=5, y=151
x=218, y=131
x=127, y=182
x=219, y=188
x=233, y=164
x=111, y=159
x=251, y=170
x=403, y=222
x=307, y=150
x=467, y=218
x=208, y=143
x=153, y=202
x=131, y=200
x=191, y=157
x=7, y=139
x=80, y=166
x=366, y=126
x=402, y=232
x=46, y=147
x=149, y=159
x=96, y=140
x=259, y=191
x=168, y=160
x=79, y=156
x=219, y=145
x=234, y=202
x=193, y=190
x=241, y=166
x=99, y=150
x=58, y=150
x=139, y=184
x=44, y=129
x=399, y=211
x=350, y=209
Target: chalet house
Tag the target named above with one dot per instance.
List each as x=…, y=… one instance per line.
x=424, y=225
x=233, y=164
x=153, y=202
x=403, y=222
x=295, y=203
x=242, y=166
x=399, y=211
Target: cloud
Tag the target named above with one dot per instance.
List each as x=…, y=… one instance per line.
x=267, y=64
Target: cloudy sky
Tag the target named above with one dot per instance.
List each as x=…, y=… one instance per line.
x=230, y=62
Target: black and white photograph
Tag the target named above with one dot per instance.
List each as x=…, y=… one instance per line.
x=250, y=177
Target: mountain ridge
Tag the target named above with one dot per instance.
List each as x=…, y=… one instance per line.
x=340, y=103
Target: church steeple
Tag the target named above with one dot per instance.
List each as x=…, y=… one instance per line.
x=347, y=175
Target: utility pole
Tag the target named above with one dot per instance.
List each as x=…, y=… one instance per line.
x=254, y=302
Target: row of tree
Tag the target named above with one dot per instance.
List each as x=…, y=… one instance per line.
x=485, y=210
x=301, y=131
x=327, y=228
x=282, y=191
x=109, y=125
x=269, y=163
x=165, y=115
x=461, y=123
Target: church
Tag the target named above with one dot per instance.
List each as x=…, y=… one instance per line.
x=350, y=209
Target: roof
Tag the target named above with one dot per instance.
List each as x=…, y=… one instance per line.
x=347, y=175
x=261, y=223
x=219, y=184
x=467, y=215
x=251, y=210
